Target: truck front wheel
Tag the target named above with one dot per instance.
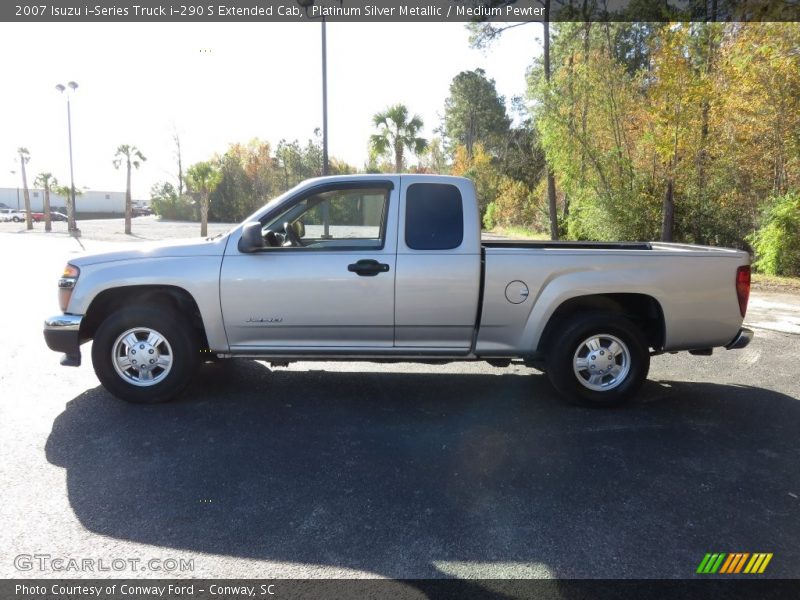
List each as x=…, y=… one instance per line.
x=598, y=360
x=145, y=354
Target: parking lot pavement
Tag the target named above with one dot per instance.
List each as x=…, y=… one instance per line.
x=336, y=469
x=775, y=311
x=113, y=230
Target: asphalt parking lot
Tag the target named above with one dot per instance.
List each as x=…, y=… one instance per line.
x=358, y=470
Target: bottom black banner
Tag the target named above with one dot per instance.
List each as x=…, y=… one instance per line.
x=401, y=589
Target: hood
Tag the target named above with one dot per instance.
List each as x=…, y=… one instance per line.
x=151, y=250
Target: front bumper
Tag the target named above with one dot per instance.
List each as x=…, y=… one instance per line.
x=741, y=340
x=62, y=334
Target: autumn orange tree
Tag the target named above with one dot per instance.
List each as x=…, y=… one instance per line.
x=478, y=166
x=757, y=117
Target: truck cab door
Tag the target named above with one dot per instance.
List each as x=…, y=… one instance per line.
x=438, y=265
x=325, y=279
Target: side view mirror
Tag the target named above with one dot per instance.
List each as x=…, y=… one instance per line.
x=251, y=239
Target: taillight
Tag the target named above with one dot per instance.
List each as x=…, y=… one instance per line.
x=743, y=287
x=66, y=284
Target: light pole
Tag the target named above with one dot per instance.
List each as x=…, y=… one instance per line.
x=71, y=205
x=14, y=173
x=306, y=4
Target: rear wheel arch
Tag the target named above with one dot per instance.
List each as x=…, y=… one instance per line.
x=641, y=309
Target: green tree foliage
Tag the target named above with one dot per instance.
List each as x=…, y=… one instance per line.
x=483, y=33
x=295, y=163
x=397, y=132
x=777, y=242
x=631, y=43
x=513, y=205
x=589, y=119
x=501, y=155
x=675, y=97
x=474, y=113
x=755, y=117
x=671, y=130
x=66, y=192
x=167, y=204
x=434, y=159
x=251, y=175
x=523, y=158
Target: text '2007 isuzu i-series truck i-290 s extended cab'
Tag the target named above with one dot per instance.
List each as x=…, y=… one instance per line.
x=392, y=268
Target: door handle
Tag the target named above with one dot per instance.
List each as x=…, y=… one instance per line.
x=368, y=267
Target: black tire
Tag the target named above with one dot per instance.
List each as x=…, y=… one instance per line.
x=181, y=347
x=615, y=380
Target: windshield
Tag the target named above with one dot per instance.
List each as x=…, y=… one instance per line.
x=273, y=203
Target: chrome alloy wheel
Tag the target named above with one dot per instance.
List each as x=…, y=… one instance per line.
x=601, y=362
x=142, y=356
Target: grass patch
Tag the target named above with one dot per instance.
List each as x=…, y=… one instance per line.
x=776, y=283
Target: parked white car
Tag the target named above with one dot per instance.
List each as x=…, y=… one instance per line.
x=12, y=214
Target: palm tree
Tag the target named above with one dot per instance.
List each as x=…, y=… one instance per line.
x=66, y=191
x=397, y=133
x=46, y=181
x=203, y=178
x=24, y=157
x=131, y=156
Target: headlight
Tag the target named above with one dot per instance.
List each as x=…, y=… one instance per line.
x=66, y=284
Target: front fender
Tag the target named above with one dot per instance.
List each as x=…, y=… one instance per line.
x=197, y=275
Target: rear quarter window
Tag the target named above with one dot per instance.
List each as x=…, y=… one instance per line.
x=434, y=217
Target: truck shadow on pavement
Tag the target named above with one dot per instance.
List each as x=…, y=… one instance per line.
x=439, y=475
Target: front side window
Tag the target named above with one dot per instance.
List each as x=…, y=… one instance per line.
x=339, y=218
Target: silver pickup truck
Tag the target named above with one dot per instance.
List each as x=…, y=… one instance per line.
x=392, y=268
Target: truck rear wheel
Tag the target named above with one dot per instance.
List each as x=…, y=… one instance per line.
x=145, y=354
x=599, y=360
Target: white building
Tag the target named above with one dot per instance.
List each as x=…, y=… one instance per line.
x=88, y=204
